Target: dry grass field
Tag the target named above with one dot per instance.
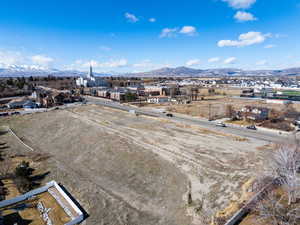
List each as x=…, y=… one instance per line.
x=133, y=170
x=217, y=105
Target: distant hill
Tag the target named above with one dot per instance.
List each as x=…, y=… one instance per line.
x=19, y=71
x=189, y=72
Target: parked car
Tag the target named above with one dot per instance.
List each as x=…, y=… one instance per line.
x=220, y=124
x=252, y=127
x=15, y=113
x=4, y=114
x=169, y=114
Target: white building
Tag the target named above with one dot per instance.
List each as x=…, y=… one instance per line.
x=158, y=99
x=278, y=101
x=91, y=81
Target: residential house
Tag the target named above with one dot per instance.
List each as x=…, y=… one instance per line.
x=253, y=113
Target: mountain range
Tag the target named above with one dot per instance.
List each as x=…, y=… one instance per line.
x=19, y=71
x=221, y=72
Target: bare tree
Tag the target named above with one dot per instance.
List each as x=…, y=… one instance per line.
x=272, y=210
x=285, y=164
x=229, y=111
x=5, y=167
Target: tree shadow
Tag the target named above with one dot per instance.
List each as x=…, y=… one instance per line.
x=4, y=147
x=2, y=143
x=3, y=191
x=3, y=132
x=39, y=177
x=15, y=218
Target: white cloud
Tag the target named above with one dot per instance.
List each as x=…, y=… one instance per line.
x=261, y=62
x=152, y=20
x=168, y=32
x=241, y=16
x=41, y=60
x=131, y=17
x=246, y=39
x=269, y=46
x=172, y=32
x=230, y=60
x=11, y=57
x=188, y=30
x=214, y=59
x=240, y=4
x=193, y=62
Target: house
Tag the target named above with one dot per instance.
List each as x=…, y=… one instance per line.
x=118, y=95
x=153, y=91
x=253, y=113
x=49, y=97
x=104, y=93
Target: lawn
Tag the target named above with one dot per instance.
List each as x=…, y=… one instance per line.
x=291, y=93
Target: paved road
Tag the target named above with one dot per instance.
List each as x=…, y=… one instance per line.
x=269, y=136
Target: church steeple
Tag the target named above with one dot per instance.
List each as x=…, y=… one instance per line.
x=91, y=70
x=90, y=74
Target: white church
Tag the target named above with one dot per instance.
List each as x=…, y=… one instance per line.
x=91, y=81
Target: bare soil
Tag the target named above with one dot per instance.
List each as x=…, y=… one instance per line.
x=132, y=170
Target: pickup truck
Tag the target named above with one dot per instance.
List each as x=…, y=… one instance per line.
x=220, y=124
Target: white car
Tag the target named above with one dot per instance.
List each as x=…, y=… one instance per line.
x=220, y=124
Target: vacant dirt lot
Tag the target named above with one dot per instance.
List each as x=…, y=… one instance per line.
x=217, y=106
x=132, y=170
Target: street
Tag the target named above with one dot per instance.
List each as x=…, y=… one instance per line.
x=234, y=130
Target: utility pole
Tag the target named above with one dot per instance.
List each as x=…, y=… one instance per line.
x=209, y=112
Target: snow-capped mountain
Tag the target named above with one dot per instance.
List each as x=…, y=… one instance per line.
x=33, y=70
x=26, y=71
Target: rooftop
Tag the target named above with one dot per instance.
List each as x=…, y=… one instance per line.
x=46, y=205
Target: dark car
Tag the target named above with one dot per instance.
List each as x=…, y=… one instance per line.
x=4, y=114
x=252, y=127
x=169, y=114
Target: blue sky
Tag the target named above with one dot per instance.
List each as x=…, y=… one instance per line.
x=137, y=35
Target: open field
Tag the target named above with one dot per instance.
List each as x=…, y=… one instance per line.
x=291, y=93
x=132, y=170
x=217, y=106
